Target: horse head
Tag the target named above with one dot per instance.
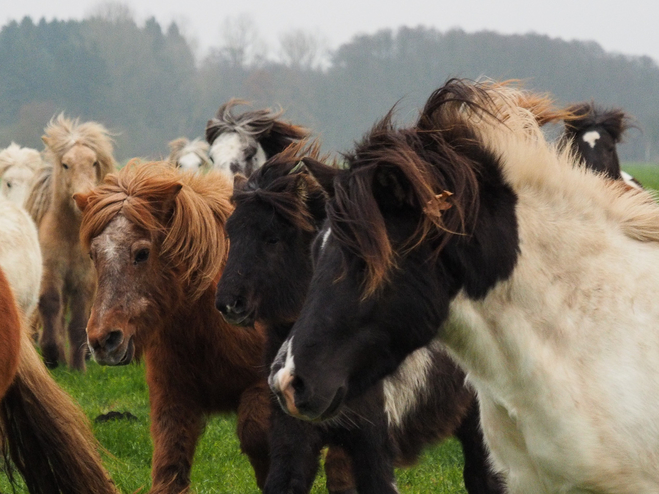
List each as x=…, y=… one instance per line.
x=277, y=213
x=17, y=168
x=189, y=155
x=138, y=227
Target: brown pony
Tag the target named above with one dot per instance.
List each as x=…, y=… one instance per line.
x=156, y=237
x=42, y=432
x=80, y=155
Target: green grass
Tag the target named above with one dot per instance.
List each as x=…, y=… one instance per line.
x=219, y=467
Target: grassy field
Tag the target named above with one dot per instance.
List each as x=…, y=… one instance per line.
x=219, y=467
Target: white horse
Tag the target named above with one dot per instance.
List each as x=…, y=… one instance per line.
x=20, y=255
x=17, y=168
x=189, y=155
x=242, y=143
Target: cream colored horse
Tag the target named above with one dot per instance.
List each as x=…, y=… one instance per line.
x=17, y=168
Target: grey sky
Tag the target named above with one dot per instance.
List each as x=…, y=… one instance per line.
x=628, y=26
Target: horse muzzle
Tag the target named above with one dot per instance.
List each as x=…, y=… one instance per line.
x=112, y=349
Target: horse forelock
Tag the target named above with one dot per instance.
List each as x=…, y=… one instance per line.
x=15, y=155
x=286, y=189
x=188, y=227
x=589, y=115
x=62, y=133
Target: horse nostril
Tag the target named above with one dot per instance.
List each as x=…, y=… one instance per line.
x=298, y=386
x=113, y=340
x=236, y=307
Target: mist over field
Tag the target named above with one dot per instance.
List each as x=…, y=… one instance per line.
x=144, y=82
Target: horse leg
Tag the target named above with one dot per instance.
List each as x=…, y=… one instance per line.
x=372, y=456
x=175, y=430
x=338, y=470
x=294, y=453
x=479, y=477
x=253, y=427
x=51, y=310
x=80, y=303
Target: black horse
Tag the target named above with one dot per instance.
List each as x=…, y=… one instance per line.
x=278, y=212
x=594, y=134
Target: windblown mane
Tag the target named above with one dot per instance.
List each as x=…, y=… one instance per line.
x=464, y=128
x=183, y=145
x=284, y=183
x=15, y=155
x=586, y=115
x=263, y=125
x=189, y=228
x=39, y=197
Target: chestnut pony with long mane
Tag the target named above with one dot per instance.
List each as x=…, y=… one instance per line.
x=80, y=155
x=43, y=434
x=156, y=237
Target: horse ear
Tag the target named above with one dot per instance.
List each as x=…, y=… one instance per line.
x=239, y=181
x=82, y=201
x=322, y=173
x=46, y=140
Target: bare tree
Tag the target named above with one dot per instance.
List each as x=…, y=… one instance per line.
x=302, y=49
x=241, y=43
x=112, y=11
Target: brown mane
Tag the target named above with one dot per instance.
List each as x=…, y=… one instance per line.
x=186, y=213
x=283, y=183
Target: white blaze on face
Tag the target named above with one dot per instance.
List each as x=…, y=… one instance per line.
x=326, y=237
x=591, y=138
x=189, y=162
x=283, y=367
x=227, y=149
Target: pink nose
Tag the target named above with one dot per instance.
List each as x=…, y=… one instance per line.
x=283, y=386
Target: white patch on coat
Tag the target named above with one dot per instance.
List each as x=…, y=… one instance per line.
x=190, y=162
x=229, y=148
x=326, y=236
x=591, y=137
x=282, y=367
x=408, y=385
x=629, y=180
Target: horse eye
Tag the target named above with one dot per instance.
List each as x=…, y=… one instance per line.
x=141, y=256
x=9, y=185
x=272, y=240
x=65, y=166
x=95, y=163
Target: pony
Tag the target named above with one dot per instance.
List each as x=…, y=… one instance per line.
x=538, y=275
x=43, y=433
x=189, y=155
x=156, y=237
x=593, y=133
x=80, y=155
x=242, y=143
x=17, y=167
x=278, y=212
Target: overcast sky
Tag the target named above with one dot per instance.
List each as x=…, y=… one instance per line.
x=627, y=26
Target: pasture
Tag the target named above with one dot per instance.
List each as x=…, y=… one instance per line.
x=219, y=467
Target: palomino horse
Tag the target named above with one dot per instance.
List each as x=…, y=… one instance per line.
x=189, y=155
x=156, y=237
x=17, y=167
x=80, y=155
x=539, y=276
x=241, y=144
x=279, y=209
x=593, y=134
x=43, y=434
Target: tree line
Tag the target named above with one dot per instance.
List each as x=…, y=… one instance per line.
x=144, y=83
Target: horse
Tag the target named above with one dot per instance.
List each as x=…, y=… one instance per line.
x=156, y=237
x=189, y=155
x=43, y=433
x=17, y=167
x=278, y=212
x=593, y=133
x=538, y=275
x=242, y=143
x=80, y=155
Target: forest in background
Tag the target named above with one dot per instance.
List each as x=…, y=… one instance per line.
x=144, y=83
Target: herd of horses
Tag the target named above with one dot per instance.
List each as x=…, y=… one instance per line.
x=461, y=276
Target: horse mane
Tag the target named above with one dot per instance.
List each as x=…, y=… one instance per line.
x=263, y=125
x=185, y=212
x=183, y=145
x=587, y=114
x=15, y=155
x=464, y=128
x=39, y=197
x=284, y=183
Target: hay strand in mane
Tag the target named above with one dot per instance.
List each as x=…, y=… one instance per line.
x=185, y=212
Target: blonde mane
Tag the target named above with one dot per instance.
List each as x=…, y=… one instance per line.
x=182, y=146
x=15, y=155
x=523, y=146
x=185, y=212
x=62, y=133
